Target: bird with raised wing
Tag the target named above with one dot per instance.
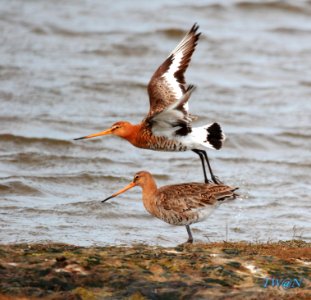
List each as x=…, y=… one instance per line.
x=168, y=125
x=179, y=204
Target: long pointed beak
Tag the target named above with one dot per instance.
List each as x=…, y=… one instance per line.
x=129, y=186
x=105, y=132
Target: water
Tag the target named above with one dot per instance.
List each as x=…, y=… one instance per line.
x=71, y=68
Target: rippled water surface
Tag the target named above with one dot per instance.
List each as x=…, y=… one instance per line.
x=71, y=68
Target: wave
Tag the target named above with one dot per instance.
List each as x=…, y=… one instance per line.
x=67, y=32
x=305, y=83
x=291, y=134
x=250, y=160
x=269, y=140
x=39, y=159
x=108, y=210
x=297, y=7
x=81, y=177
x=290, y=30
x=31, y=140
x=100, y=213
x=171, y=32
x=19, y=188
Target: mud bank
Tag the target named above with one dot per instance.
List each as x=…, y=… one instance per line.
x=199, y=271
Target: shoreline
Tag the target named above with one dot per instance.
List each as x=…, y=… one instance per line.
x=225, y=270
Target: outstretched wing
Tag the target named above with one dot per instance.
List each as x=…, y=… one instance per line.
x=173, y=119
x=168, y=84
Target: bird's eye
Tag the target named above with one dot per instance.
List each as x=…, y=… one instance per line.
x=136, y=177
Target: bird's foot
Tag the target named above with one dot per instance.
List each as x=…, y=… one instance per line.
x=184, y=246
x=216, y=180
x=189, y=241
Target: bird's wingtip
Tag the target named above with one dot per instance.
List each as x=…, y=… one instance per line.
x=195, y=27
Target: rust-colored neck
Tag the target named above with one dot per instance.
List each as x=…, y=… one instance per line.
x=131, y=132
x=149, y=195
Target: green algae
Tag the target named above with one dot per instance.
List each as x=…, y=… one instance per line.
x=234, y=264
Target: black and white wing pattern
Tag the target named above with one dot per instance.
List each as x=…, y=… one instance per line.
x=174, y=119
x=168, y=91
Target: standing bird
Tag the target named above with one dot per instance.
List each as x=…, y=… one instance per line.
x=179, y=204
x=167, y=127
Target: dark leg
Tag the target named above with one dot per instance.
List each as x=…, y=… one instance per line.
x=214, y=178
x=190, y=238
x=203, y=164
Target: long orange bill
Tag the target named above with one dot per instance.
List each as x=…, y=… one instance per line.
x=129, y=186
x=108, y=131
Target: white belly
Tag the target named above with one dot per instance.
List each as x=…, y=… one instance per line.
x=205, y=212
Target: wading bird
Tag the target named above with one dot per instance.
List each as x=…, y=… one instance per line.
x=179, y=204
x=168, y=125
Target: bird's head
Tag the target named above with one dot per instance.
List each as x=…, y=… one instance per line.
x=140, y=179
x=121, y=128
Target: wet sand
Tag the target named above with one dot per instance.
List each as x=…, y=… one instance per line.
x=199, y=271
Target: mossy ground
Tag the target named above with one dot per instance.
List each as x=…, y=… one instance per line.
x=199, y=271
